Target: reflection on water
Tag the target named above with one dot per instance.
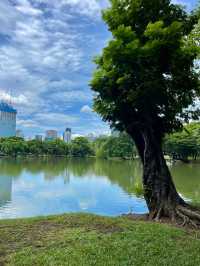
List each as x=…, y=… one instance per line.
x=31, y=187
x=187, y=179
x=5, y=190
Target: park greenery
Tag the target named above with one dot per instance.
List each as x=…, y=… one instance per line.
x=182, y=145
x=146, y=84
x=87, y=240
x=79, y=147
x=103, y=147
x=121, y=146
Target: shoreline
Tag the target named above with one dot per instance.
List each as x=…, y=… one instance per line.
x=169, y=160
x=91, y=157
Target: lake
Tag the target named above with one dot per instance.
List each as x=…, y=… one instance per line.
x=34, y=187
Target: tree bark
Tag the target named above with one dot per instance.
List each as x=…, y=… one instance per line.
x=160, y=193
x=159, y=190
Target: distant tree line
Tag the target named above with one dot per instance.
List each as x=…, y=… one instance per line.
x=121, y=146
x=79, y=147
x=184, y=145
x=103, y=147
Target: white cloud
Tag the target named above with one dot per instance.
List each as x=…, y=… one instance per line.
x=28, y=123
x=55, y=119
x=45, y=58
x=19, y=100
x=8, y=17
x=25, y=7
x=71, y=96
x=86, y=7
x=91, y=8
x=43, y=121
x=34, y=54
x=86, y=109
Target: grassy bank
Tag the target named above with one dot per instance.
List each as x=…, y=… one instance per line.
x=91, y=240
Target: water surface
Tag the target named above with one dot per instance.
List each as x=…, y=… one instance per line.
x=32, y=187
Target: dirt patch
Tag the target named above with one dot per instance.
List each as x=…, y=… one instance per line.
x=101, y=227
x=137, y=217
x=106, y=229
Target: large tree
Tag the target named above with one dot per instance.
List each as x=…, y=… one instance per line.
x=146, y=84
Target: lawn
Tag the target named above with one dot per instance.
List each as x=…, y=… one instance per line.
x=84, y=240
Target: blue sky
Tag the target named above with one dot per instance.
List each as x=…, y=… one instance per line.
x=46, y=51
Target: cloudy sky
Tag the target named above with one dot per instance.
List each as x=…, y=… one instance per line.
x=46, y=51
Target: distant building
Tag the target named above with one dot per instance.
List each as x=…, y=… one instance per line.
x=91, y=137
x=7, y=120
x=39, y=137
x=103, y=136
x=67, y=136
x=29, y=138
x=51, y=135
x=19, y=133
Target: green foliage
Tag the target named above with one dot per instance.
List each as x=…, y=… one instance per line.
x=80, y=147
x=194, y=37
x=145, y=76
x=13, y=146
x=105, y=147
x=35, y=147
x=56, y=147
x=184, y=144
x=119, y=147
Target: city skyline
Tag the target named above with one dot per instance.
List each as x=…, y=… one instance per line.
x=46, y=66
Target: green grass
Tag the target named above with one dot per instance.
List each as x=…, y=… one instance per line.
x=84, y=240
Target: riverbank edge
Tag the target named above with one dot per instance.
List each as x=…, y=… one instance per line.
x=67, y=156
x=33, y=156
x=64, y=239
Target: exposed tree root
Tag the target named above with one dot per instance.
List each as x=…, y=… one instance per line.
x=189, y=215
x=182, y=215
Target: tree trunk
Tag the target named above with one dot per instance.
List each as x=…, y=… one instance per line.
x=160, y=193
x=159, y=190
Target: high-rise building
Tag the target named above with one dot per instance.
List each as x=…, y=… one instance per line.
x=7, y=120
x=91, y=137
x=19, y=133
x=51, y=135
x=67, y=136
x=39, y=137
